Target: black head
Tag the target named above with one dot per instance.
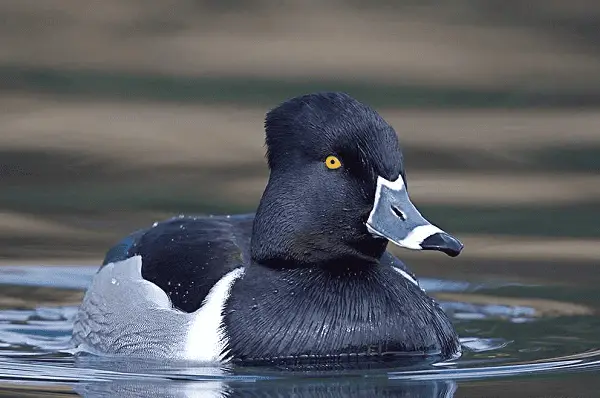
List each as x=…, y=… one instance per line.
x=305, y=130
x=328, y=155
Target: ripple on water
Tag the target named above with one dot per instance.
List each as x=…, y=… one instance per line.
x=502, y=335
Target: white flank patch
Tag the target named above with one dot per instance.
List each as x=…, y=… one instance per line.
x=415, y=237
x=406, y=275
x=206, y=340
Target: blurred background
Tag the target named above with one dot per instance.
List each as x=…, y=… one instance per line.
x=119, y=113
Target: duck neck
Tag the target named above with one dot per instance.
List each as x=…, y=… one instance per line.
x=287, y=234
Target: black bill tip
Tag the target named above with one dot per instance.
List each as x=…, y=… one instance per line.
x=444, y=243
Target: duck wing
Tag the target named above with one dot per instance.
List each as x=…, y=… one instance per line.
x=187, y=256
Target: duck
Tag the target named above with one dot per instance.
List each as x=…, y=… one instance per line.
x=307, y=278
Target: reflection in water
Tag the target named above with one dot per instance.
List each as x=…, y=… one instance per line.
x=271, y=389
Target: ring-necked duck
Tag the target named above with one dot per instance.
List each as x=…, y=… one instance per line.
x=307, y=278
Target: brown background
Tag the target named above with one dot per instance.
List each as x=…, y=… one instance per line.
x=119, y=113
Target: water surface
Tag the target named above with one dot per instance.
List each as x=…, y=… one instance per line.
x=520, y=340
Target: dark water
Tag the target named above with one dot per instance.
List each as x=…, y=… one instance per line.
x=520, y=340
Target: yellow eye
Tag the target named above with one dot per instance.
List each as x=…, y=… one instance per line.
x=332, y=162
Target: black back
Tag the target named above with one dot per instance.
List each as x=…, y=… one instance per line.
x=186, y=256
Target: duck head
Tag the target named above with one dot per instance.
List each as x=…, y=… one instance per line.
x=337, y=190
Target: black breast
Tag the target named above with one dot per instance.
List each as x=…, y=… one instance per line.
x=286, y=315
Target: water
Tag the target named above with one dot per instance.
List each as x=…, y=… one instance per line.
x=520, y=340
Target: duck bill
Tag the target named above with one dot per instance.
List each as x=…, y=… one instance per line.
x=396, y=219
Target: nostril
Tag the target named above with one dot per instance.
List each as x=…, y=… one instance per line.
x=399, y=213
